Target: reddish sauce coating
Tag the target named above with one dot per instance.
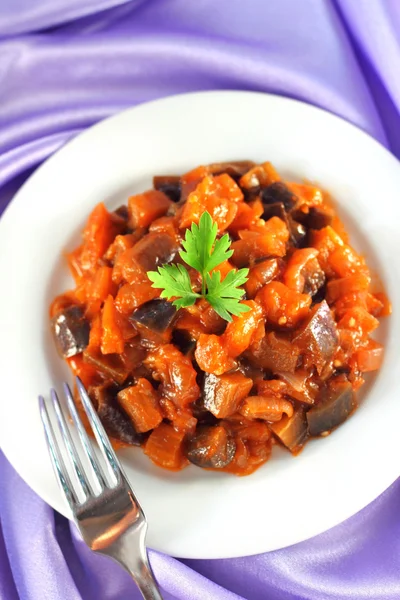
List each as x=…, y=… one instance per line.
x=188, y=386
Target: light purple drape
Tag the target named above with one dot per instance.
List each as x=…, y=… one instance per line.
x=65, y=64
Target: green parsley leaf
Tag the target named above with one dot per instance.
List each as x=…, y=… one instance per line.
x=220, y=253
x=174, y=280
x=203, y=252
x=224, y=296
x=198, y=244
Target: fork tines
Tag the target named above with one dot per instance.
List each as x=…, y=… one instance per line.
x=84, y=477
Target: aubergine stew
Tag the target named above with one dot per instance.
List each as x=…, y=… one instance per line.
x=218, y=314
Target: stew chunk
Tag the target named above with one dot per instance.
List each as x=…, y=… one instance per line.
x=71, y=331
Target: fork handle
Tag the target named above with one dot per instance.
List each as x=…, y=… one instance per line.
x=137, y=565
x=140, y=570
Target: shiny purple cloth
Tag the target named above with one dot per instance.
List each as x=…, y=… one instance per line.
x=65, y=64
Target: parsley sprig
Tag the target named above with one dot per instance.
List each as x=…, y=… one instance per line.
x=203, y=252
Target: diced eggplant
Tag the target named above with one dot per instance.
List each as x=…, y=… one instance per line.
x=142, y=372
x=300, y=385
x=276, y=209
x=115, y=421
x=318, y=337
x=279, y=192
x=275, y=353
x=120, y=219
x=173, y=192
x=249, y=369
x=103, y=394
x=223, y=394
x=320, y=294
x=261, y=273
x=153, y=250
x=211, y=447
x=110, y=366
x=335, y=403
x=208, y=389
x=117, y=425
x=258, y=177
x=296, y=230
x=133, y=355
x=203, y=416
x=234, y=169
x=161, y=180
x=314, y=278
x=292, y=431
x=182, y=339
x=170, y=185
x=156, y=315
x=71, y=331
x=154, y=321
x=122, y=212
x=319, y=217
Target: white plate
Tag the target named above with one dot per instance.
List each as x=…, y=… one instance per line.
x=198, y=513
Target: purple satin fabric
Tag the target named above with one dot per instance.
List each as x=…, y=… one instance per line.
x=65, y=64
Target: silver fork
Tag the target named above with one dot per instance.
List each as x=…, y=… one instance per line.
x=111, y=522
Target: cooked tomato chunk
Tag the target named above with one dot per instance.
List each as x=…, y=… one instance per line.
x=283, y=306
x=112, y=339
x=216, y=195
x=176, y=374
x=243, y=330
x=212, y=356
x=145, y=208
x=165, y=447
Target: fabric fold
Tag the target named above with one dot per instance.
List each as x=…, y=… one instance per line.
x=25, y=16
